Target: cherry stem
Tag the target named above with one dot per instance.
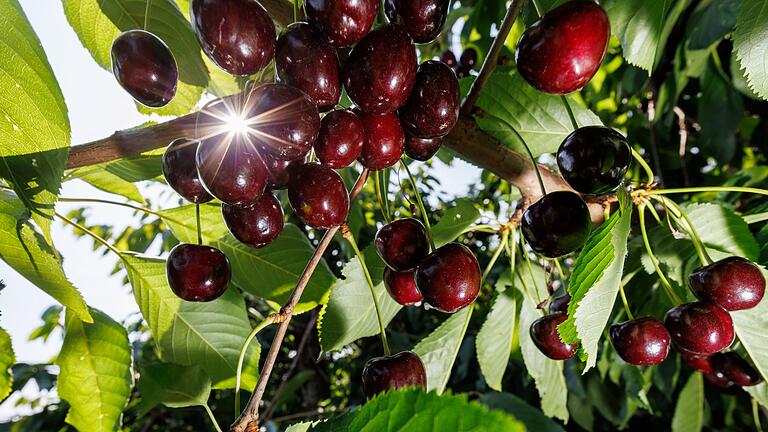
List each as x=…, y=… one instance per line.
x=379, y=196
x=213, y=418
x=533, y=160
x=559, y=269
x=295, y=10
x=495, y=257
x=537, y=7
x=708, y=189
x=422, y=210
x=90, y=233
x=647, y=168
x=664, y=282
x=271, y=319
x=528, y=264
x=574, y=123
x=146, y=16
x=624, y=300
x=756, y=415
x=117, y=203
x=199, y=230
x=687, y=224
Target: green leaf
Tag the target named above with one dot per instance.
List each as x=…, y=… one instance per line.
x=533, y=419
x=710, y=21
x=145, y=166
x=639, y=25
x=439, y=349
x=494, y=341
x=206, y=334
x=173, y=385
x=34, y=126
x=689, y=411
x=750, y=42
x=454, y=221
x=28, y=253
x=95, y=378
x=721, y=109
x=108, y=182
x=7, y=360
x=750, y=328
x=97, y=24
x=759, y=392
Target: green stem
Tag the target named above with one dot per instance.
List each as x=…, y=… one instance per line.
x=212, y=417
x=708, y=189
x=495, y=257
x=756, y=415
x=574, y=123
x=295, y=10
x=146, y=13
x=664, y=282
x=655, y=214
x=533, y=161
x=537, y=7
x=530, y=267
x=489, y=229
x=647, y=168
x=241, y=358
x=701, y=250
x=559, y=269
x=117, y=203
x=422, y=209
x=379, y=196
x=199, y=229
x=90, y=233
x=626, y=303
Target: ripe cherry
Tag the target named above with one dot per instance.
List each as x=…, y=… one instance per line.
x=180, y=171
x=381, y=70
x=735, y=369
x=318, y=195
x=197, y=273
x=421, y=149
x=563, y=50
x=277, y=172
x=557, y=224
x=700, y=327
x=433, y=107
x=382, y=374
x=238, y=35
x=342, y=22
x=342, y=135
x=468, y=59
x=402, y=244
x=231, y=169
x=719, y=380
x=594, y=159
x=401, y=286
x=422, y=19
x=732, y=283
x=449, y=278
x=701, y=363
x=559, y=304
x=641, y=342
x=384, y=141
x=303, y=59
x=144, y=66
x=449, y=58
x=257, y=224
x=544, y=335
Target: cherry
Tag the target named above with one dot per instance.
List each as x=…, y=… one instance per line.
x=384, y=141
x=197, y=273
x=719, y=380
x=560, y=304
x=563, y=50
x=449, y=58
x=732, y=283
x=422, y=19
x=433, y=107
x=468, y=59
x=641, y=342
x=342, y=135
x=402, y=244
x=231, y=169
x=449, y=278
x=557, y=224
x=401, y=286
x=318, y=195
x=421, y=149
x=381, y=70
x=701, y=363
x=303, y=59
x=144, y=66
x=700, y=327
x=404, y=369
x=594, y=159
x=342, y=22
x=238, y=35
x=180, y=171
x=544, y=335
x=735, y=369
x=256, y=224
x=277, y=172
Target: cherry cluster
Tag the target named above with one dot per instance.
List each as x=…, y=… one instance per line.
x=466, y=63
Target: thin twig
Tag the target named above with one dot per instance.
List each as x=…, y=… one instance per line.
x=683, y=131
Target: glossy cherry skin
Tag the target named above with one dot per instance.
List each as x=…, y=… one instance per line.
x=563, y=50
x=732, y=283
x=721, y=382
x=468, y=59
x=384, y=141
x=557, y=224
x=342, y=22
x=594, y=159
x=641, y=342
x=318, y=196
x=433, y=108
x=257, y=224
x=382, y=374
x=402, y=244
x=735, y=369
x=559, y=304
x=180, y=171
x=144, y=66
x=449, y=278
x=238, y=35
x=421, y=149
x=381, y=70
x=197, y=273
x=277, y=171
x=700, y=327
x=422, y=19
x=303, y=59
x=231, y=169
x=341, y=140
x=449, y=58
x=701, y=363
x=544, y=335
x=401, y=286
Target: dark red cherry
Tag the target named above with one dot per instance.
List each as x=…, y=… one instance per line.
x=381, y=70
x=544, y=335
x=732, y=283
x=594, y=159
x=342, y=135
x=559, y=304
x=277, y=172
x=180, y=171
x=463, y=71
x=382, y=374
x=449, y=58
x=231, y=169
x=422, y=19
x=735, y=369
x=401, y=286
x=384, y=141
x=256, y=224
x=144, y=66
x=449, y=278
x=699, y=362
x=197, y=273
x=433, y=108
x=421, y=149
x=468, y=59
x=721, y=382
x=700, y=327
x=238, y=35
x=303, y=59
x=402, y=244
x=342, y=22
x=563, y=50
x=641, y=342
x=318, y=195
x=557, y=224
